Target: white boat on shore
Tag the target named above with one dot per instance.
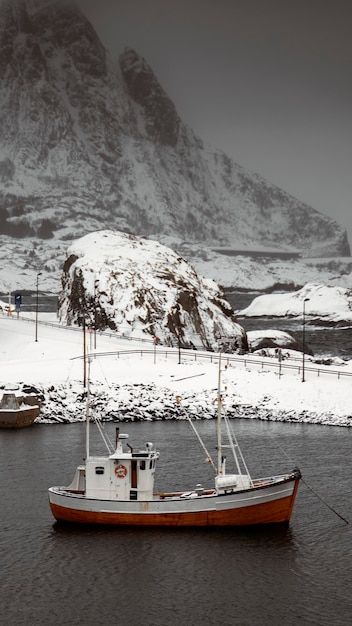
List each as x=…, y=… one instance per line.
x=18, y=410
x=118, y=489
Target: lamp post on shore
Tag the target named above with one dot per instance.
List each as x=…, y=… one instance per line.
x=96, y=283
x=36, y=308
x=178, y=322
x=304, y=335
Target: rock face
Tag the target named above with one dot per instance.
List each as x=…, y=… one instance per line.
x=84, y=146
x=269, y=338
x=161, y=121
x=141, y=288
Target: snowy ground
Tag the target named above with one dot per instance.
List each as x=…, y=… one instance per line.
x=141, y=382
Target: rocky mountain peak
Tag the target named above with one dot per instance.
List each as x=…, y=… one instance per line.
x=43, y=27
x=49, y=59
x=161, y=120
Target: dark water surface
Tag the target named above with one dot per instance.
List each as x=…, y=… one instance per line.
x=46, y=302
x=57, y=575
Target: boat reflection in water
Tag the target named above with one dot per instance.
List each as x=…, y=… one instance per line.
x=118, y=489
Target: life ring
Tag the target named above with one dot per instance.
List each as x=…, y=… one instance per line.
x=120, y=471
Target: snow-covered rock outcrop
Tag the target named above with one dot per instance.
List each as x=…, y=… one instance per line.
x=321, y=304
x=141, y=288
x=271, y=338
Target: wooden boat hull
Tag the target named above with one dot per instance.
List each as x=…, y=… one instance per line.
x=268, y=504
x=18, y=418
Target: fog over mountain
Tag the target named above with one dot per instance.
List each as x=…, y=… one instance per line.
x=87, y=146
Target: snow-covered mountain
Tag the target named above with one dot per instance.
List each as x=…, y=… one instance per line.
x=143, y=289
x=86, y=145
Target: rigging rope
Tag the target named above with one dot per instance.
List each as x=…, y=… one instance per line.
x=209, y=459
x=233, y=439
x=104, y=437
x=97, y=420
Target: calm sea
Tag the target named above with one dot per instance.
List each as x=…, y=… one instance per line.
x=55, y=575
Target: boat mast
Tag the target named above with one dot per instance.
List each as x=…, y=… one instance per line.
x=87, y=419
x=218, y=425
x=87, y=390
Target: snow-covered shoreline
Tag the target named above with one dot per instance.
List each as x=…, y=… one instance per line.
x=143, y=385
x=140, y=402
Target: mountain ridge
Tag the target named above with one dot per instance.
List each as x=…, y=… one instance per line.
x=86, y=147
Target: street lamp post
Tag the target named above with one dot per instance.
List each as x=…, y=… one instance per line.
x=36, y=308
x=96, y=283
x=304, y=336
x=178, y=330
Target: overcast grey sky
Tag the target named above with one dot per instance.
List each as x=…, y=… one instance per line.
x=267, y=81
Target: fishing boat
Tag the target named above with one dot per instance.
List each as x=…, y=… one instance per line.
x=18, y=410
x=118, y=488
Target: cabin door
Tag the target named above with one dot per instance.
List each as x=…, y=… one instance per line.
x=134, y=474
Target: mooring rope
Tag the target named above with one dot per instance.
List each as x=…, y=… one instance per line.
x=309, y=487
x=324, y=501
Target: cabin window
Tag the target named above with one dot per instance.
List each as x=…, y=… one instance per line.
x=142, y=465
x=99, y=470
x=150, y=464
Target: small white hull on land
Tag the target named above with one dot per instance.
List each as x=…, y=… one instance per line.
x=17, y=412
